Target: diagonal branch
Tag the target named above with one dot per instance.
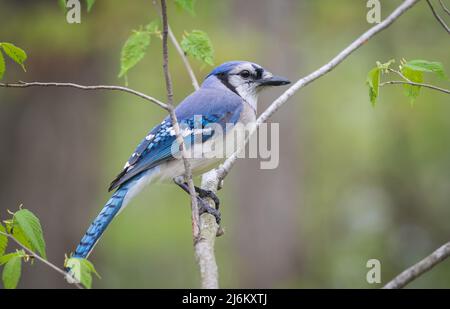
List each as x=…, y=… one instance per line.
x=439, y=18
x=444, y=7
x=41, y=259
x=223, y=171
x=22, y=84
x=420, y=268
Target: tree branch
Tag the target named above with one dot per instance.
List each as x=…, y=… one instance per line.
x=444, y=7
x=176, y=127
x=22, y=84
x=394, y=82
x=223, y=170
x=407, y=81
x=420, y=268
x=208, y=227
x=436, y=15
x=41, y=259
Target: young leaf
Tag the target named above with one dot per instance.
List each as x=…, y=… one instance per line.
x=373, y=81
x=90, y=4
x=3, y=240
x=32, y=230
x=2, y=65
x=11, y=272
x=17, y=54
x=412, y=92
x=81, y=270
x=426, y=66
x=187, y=5
x=153, y=27
x=133, y=50
x=16, y=231
x=5, y=258
x=198, y=45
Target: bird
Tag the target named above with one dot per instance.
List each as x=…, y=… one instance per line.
x=227, y=97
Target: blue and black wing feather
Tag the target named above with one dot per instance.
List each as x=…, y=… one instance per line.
x=157, y=147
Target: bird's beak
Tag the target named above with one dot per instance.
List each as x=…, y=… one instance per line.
x=274, y=81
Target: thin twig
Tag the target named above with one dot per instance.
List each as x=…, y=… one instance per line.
x=444, y=7
x=407, y=81
x=41, y=259
x=22, y=84
x=439, y=19
x=185, y=60
x=176, y=127
x=400, y=74
x=180, y=51
x=420, y=268
x=208, y=228
x=223, y=170
x=394, y=82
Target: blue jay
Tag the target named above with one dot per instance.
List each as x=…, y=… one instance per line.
x=228, y=96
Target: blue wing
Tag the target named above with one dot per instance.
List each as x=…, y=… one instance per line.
x=212, y=105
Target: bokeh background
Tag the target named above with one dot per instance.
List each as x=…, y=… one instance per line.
x=354, y=182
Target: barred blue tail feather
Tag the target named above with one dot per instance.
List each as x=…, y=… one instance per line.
x=100, y=223
x=117, y=202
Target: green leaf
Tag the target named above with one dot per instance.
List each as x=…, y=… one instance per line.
x=5, y=258
x=153, y=27
x=17, y=54
x=32, y=230
x=373, y=81
x=3, y=240
x=133, y=50
x=187, y=5
x=426, y=66
x=412, y=92
x=81, y=270
x=90, y=4
x=19, y=235
x=16, y=231
x=12, y=271
x=198, y=45
x=2, y=65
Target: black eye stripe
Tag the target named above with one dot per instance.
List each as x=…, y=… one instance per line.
x=259, y=73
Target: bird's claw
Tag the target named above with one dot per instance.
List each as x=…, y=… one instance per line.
x=202, y=193
x=203, y=207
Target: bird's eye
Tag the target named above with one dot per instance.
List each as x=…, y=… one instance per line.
x=245, y=74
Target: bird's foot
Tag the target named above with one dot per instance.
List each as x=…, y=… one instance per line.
x=202, y=193
x=203, y=207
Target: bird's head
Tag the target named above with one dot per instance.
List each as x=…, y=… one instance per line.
x=246, y=79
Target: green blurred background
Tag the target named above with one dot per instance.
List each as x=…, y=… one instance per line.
x=354, y=182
